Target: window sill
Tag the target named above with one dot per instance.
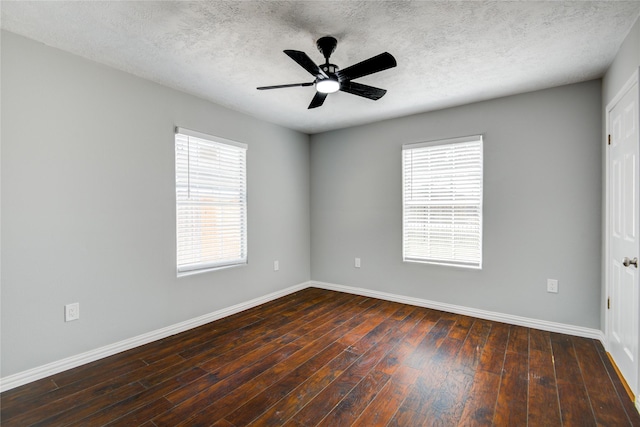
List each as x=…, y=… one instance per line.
x=444, y=264
x=209, y=269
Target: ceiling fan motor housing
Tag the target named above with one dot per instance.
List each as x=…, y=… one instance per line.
x=326, y=45
x=329, y=69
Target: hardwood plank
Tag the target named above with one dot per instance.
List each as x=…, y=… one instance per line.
x=239, y=337
x=326, y=313
x=567, y=368
x=352, y=405
x=461, y=328
x=372, y=337
x=245, y=392
x=492, y=358
x=137, y=400
x=408, y=413
x=253, y=408
x=75, y=394
x=479, y=408
x=481, y=327
x=518, y=340
x=369, y=322
x=226, y=352
x=606, y=404
x=544, y=409
x=86, y=376
x=395, y=358
x=627, y=404
x=284, y=409
x=448, y=402
x=322, y=335
x=213, y=336
x=607, y=408
x=222, y=423
x=213, y=329
x=248, y=359
x=540, y=340
x=470, y=354
x=87, y=408
x=428, y=346
x=384, y=405
x=574, y=405
x=591, y=366
x=419, y=406
x=142, y=414
x=219, y=389
x=439, y=374
x=404, y=311
x=249, y=389
x=342, y=322
x=511, y=408
x=333, y=393
x=23, y=394
x=424, y=326
x=166, y=346
x=498, y=337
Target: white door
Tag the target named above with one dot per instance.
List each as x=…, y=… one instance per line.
x=623, y=242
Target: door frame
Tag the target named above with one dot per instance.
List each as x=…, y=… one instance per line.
x=634, y=79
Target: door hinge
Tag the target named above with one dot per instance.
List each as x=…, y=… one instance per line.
x=608, y=303
x=609, y=140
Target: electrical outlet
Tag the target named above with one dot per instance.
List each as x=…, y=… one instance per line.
x=552, y=286
x=72, y=312
x=357, y=263
x=276, y=265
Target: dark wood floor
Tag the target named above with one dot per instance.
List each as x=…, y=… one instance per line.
x=331, y=359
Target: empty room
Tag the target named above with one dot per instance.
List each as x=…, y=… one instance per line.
x=319, y=213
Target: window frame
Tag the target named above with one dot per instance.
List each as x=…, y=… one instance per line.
x=240, y=188
x=476, y=264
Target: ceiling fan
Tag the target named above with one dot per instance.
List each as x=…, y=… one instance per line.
x=329, y=78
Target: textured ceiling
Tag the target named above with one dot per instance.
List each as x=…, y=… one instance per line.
x=448, y=53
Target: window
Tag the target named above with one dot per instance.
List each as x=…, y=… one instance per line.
x=442, y=202
x=211, y=202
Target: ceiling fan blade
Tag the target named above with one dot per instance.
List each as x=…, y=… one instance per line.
x=362, y=90
x=305, y=62
x=368, y=66
x=318, y=100
x=281, y=86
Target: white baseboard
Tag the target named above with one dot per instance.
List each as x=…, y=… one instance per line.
x=467, y=311
x=34, y=374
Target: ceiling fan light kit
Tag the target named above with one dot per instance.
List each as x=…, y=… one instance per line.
x=329, y=78
x=328, y=85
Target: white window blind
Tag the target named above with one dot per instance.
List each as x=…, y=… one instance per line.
x=211, y=202
x=442, y=202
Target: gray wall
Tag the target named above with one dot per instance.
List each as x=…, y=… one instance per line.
x=626, y=62
x=542, y=206
x=88, y=206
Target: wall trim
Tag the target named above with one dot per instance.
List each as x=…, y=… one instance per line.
x=544, y=325
x=37, y=373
